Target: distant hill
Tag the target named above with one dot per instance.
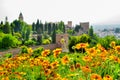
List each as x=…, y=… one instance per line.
x=101, y=27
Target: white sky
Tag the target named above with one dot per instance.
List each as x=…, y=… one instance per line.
x=93, y=11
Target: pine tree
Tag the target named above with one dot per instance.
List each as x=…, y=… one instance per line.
x=37, y=27
x=90, y=32
x=54, y=34
x=49, y=28
x=7, y=28
x=33, y=26
x=46, y=26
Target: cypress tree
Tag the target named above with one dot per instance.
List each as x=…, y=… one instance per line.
x=90, y=32
x=54, y=34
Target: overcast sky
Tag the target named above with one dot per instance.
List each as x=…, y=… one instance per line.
x=93, y=11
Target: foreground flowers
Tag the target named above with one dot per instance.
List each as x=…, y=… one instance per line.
x=96, y=63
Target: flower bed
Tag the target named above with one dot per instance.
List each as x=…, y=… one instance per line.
x=95, y=63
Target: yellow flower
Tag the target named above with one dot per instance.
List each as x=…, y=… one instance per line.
x=30, y=50
x=5, y=78
x=45, y=52
x=22, y=73
x=113, y=44
x=87, y=58
x=65, y=60
x=1, y=68
x=107, y=77
x=47, y=72
x=54, y=64
x=81, y=45
x=95, y=77
x=72, y=68
x=86, y=69
x=77, y=65
x=64, y=79
x=117, y=48
x=92, y=51
x=56, y=52
x=56, y=76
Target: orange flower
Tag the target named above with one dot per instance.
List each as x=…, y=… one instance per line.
x=65, y=60
x=45, y=53
x=30, y=50
x=116, y=59
x=86, y=69
x=6, y=78
x=95, y=77
x=92, y=51
x=47, y=72
x=54, y=65
x=1, y=68
x=45, y=64
x=117, y=48
x=56, y=76
x=103, y=56
x=57, y=52
x=107, y=77
x=64, y=79
x=81, y=45
x=87, y=58
x=77, y=65
x=113, y=44
x=72, y=68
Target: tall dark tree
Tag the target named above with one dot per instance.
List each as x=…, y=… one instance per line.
x=61, y=26
x=18, y=25
x=46, y=26
x=37, y=26
x=49, y=28
x=7, y=28
x=90, y=32
x=1, y=25
x=28, y=32
x=54, y=34
x=77, y=27
x=41, y=27
x=33, y=26
x=12, y=28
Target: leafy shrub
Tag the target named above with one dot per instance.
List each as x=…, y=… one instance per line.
x=106, y=41
x=8, y=55
x=9, y=41
x=30, y=42
x=24, y=49
x=46, y=41
x=78, y=39
x=37, y=51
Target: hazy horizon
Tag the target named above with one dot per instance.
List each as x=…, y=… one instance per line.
x=93, y=11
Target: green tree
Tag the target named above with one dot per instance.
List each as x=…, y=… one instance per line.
x=28, y=31
x=77, y=27
x=12, y=28
x=38, y=27
x=91, y=32
x=7, y=28
x=46, y=26
x=1, y=26
x=41, y=27
x=54, y=34
x=33, y=26
x=49, y=28
x=61, y=26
